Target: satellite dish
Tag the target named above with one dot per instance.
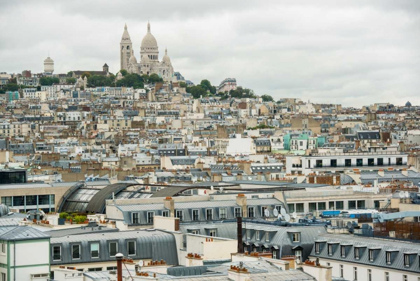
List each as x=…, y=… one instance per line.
x=294, y=215
x=283, y=211
x=407, y=194
x=211, y=187
x=275, y=212
x=287, y=217
x=402, y=194
x=221, y=189
x=266, y=213
x=141, y=263
x=279, y=217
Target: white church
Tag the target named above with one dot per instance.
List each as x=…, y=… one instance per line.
x=149, y=57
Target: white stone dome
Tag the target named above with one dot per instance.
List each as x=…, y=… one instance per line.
x=48, y=60
x=149, y=41
x=133, y=59
x=48, y=65
x=166, y=58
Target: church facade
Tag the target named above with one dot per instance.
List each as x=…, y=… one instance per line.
x=149, y=57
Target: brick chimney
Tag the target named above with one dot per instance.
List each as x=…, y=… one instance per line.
x=357, y=144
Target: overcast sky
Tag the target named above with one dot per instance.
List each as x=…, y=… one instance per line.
x=350, y=52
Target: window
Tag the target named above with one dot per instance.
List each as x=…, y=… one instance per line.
x=341, y=271
x=251, y=212
x=312, y=207
x=3, y=276
x=405, y=278
x=370, y=255
x=291, y=207
x=56, y=253
x=388, y=257
x=317, y=247
x=222, y=213
x=195, y=215
x=135, y=218
x=3, y=248
x=355, y=273
x=330, y=249
x=343, y=251
x=248, y=234
x=339, y=205
x=178, y=214
x=165, y=213
x=150, y=216
x=407, y=260
x=386, y=276
x=352, y=204
x=356, y=253
x=299, y=208
x=274, y=254
x=131, y=248
x=75, y=252
x=238, y=212
x=296, y=237
x=257, y=235
x=94, y=250
x=209, y=214
x=195, y=231
x=369, y=277
x=267, y=237
x=113, y=249
x=212, y=232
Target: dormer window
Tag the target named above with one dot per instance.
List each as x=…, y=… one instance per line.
x=257, y=235
x=356, y=253
x=330, y=249
x=388, y=257
x=370, y=255
x=343, y=251
x=267, y=237
x=317, y=247
x=296, y=237
x=406, y=260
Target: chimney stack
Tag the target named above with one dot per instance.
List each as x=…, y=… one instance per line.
x=119, y=258
x=240, y=244
x=169, y=204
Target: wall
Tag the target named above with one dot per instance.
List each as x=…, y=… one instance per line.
x=362, y=271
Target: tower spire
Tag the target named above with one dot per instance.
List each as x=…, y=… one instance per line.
x=148, y=26
x=125, y=26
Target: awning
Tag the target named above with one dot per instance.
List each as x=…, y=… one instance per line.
x=266, y=246
x=276, y=247
x=247, y=243
x=256, y=244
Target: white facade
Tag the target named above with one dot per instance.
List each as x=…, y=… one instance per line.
x=239, y=146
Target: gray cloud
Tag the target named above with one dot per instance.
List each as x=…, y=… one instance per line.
x=352, y=52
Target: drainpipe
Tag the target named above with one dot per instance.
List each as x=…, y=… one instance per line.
x=119, y=258
x=14, y=260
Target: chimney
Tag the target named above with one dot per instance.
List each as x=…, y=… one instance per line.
x=404, y=172
x=381, y=173
x=401, y=145
x=169, y=204
x=119, y=258
x=241, y=202
x=239, y=230
x=239, y=177
x=357, y=142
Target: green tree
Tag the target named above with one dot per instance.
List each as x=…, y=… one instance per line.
x=86, y=74
x=197, y=91
x=182, y=84
x=101, y=81
x=48, y=81
x=131, y=80
x=154, y=78
x=123, y=72
x=70, y=74
x=207, y=86
x=70, y=80
x=11, y=87
x=79, y=219
x=267, y=98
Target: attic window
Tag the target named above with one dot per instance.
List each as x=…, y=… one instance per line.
x=296, y=237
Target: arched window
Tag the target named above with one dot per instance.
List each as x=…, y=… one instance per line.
x=128, y=47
